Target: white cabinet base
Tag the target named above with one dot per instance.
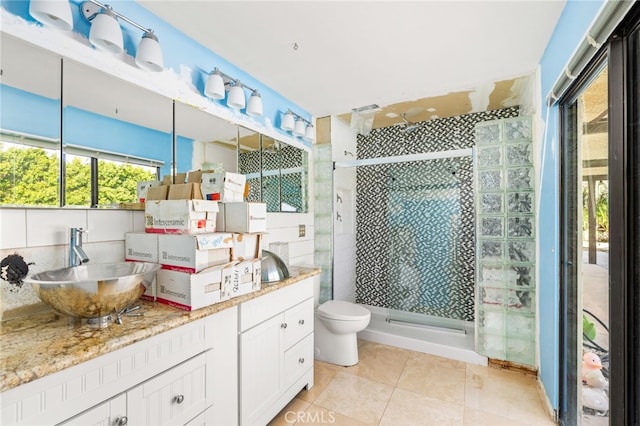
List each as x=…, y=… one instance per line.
x=276, y=351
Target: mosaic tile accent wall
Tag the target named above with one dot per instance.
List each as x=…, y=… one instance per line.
x=413, y=269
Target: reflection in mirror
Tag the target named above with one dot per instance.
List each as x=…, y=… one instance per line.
x=277, y=173
x=293, y=179
x=29, y=124
x=115, y=134
x=204, y=142
x=271, y=194
x=249, y=162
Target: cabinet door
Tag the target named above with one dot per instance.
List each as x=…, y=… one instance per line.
x=260, y=368
x=208, y=418
x=171, y=398
x=110, y=413
x=298, y=360
x=299, y=320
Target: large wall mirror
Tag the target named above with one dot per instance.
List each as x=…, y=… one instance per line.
x=63, y=121
x=115, y=134
x=249, y=162
x=277, y=172
x=203, y=141
x=29, y=124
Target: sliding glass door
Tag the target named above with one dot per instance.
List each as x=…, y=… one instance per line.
x=600, y=237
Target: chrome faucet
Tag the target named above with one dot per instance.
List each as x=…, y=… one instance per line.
x=77, y=256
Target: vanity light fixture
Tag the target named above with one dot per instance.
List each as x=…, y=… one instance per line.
x=218, y=83
x=214, y=87
x=299, y=127
x=292, y=122
x=254, y=107
x=236, y=97
x=309, y=133
x=56, y=13
x=149, y=54
x=106, y=34
x=288, y=121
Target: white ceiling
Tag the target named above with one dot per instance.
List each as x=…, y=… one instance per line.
x=355, y=53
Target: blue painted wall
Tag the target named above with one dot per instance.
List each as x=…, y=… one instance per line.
x=91, y=130
x=43, y=117
x=572, y=26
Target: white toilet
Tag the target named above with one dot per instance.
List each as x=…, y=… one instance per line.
x=335, y=333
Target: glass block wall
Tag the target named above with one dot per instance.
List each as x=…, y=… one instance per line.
x=505, y=238
x=323, y=217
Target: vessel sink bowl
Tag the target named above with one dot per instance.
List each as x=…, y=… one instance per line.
x=93, y=290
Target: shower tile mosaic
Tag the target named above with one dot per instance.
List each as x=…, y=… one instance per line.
x=431, y=276
x=506, y=241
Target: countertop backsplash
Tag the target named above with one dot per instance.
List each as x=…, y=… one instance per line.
x=40, y=236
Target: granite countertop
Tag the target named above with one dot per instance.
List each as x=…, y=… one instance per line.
x=34, y=346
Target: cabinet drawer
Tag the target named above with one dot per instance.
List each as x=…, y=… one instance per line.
x=255, y=311
x=174, y=397
x=298, y=360
x=111, y=412
x=299, y=320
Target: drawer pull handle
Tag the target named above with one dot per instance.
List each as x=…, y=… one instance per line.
x=283, y=325
x=121, y=421
x=301, y=322
x=179, y=399
x=301, y=360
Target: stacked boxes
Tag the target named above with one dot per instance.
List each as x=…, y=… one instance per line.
x=180, y=216
x=223, y=186
x=210, y=251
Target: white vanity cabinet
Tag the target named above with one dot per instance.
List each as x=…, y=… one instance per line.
x=276, y=351
x=183, y=375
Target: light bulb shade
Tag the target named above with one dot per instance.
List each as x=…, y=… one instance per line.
x=149, y=54
x=214, y=86
x=310, y=133
x=105, y=33
x=236, y=99
x=287, y=121
x=299, y=128
x=56, y=13
x=254, y=107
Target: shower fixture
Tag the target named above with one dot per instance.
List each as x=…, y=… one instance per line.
x=409, y=126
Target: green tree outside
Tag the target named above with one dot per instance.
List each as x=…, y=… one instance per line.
x=29, y=177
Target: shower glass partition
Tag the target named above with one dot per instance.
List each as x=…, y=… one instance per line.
x=415, y=239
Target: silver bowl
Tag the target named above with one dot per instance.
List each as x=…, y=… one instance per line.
x=93, y=290
x=273, y=268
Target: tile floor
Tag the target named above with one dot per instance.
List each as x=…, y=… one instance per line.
x=393, y=386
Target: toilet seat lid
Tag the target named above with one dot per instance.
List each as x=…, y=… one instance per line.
x=341, y=310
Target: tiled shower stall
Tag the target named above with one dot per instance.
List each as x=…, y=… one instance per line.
x=427, y=228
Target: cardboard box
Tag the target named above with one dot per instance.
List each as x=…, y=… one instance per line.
x=142, y=187
x=242, y=217
x=180, y=216
x=191, y=291
x=141, y=247
x=149, y=292
x=194, y=176
x=193, y=253
x=180, y=178
x=184, y=191
x=168, y=179
x=155, y=193
x=247, y=246
x=247, y=277
x=223, y=186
